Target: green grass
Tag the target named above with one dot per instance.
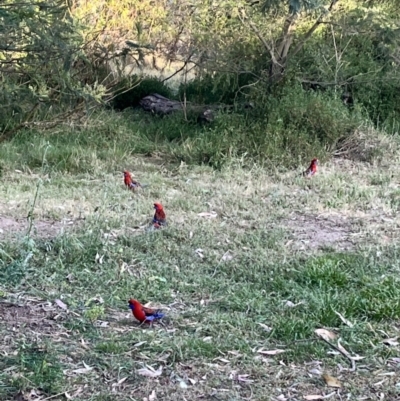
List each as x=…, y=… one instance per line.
x=271, y=273
x=292, y=131
x=37, y=367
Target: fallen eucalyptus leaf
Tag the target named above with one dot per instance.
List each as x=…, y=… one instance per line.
x=290, y=304
x=183, y=385
x=199, y=252
x=344, y=320
x=150, y=372
x=227, y=256
x=244, y=378
x=86, y=369
x=61, y=304
x=391, y=341
x=209, y=215
x=325, y=334
x=265, y=327
x=331, y=381
x=270, y=352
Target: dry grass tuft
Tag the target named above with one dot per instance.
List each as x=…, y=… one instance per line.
x=367, y=144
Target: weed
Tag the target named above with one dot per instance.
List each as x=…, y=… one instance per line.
x=94, y=313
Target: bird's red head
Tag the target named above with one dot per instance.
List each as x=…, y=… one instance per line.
x=127, y=173
x=314, y=161
x=133, y=303
x=158, y=207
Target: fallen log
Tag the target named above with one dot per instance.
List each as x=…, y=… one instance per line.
x=161, y=105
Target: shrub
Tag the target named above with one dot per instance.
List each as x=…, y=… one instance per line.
x=219, y=88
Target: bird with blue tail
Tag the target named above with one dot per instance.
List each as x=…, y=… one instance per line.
x=132, y=184
x=159, y=219
x=144, y=314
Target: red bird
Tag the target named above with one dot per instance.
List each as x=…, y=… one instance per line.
x=312, y=170
x=130, y=182
x=144, y=314
x=159, y=219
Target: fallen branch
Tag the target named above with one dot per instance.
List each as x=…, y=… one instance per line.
x=343, y=352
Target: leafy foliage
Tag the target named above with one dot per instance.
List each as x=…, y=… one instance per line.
x=358, y=55
x=243, y=51
x=39, y=47
x=219, y=88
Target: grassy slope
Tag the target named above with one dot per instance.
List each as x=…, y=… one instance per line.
x=326, y=245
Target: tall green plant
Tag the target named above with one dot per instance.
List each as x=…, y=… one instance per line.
x=39, y=44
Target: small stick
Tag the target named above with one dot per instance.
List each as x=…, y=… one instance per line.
x=352, y=361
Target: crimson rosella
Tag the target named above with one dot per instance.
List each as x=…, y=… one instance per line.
x=130, y=182
x=144, y=314
x=312, y=169
x=159, y=219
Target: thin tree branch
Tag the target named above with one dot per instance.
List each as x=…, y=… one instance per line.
x=187, y=61
x=260, y=36
x=317, y=23
x=287, y=37
x=348, y=81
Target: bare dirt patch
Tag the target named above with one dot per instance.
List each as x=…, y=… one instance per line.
x=315, y=232
x=10, y=226
x=40, y=317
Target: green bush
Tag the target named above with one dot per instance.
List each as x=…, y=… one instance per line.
x=310, y=118
x=130, y=98
x=365, y=69
x=381, y=102
x=219, y=88
x=282, y=131
x=38, y=83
